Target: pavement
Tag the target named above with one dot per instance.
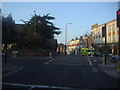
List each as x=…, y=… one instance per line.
x=109, y=69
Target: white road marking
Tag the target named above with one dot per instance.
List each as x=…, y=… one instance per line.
x=49, y=61
x=34, y=86
x=95, y=60
x=69, y=64
x=12, y=72
x=90, y=61
x=94, y=69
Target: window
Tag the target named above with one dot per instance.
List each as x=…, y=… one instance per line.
x=99, y=36
x=109, y=28
x=114, y=38
x=113, y=27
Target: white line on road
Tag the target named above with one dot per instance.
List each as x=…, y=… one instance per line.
x=90, y=61
x=68, y=64
x=49, y=61
x=95, y=69
x=34, y=86
x=12, y=72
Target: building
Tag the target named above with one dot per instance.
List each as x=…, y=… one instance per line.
x=9, y=45
x=111, y=33
x=74, y=46
x=61, y=49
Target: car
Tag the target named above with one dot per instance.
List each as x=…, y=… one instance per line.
x=114, y=57
x=2, y=54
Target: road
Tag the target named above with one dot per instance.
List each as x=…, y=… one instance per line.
x=78, y=72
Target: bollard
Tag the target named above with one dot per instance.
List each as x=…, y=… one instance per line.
x=50, y=55
x=103, y=61
x=91, y=54
x=118, y=64
x=14, y=54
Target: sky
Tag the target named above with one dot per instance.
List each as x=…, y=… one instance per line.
x=82, y=15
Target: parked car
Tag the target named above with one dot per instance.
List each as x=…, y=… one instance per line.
x=114, y=57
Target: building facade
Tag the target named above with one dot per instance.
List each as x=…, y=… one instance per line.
x=74, y=46
x=61, y=49
x=111, y=33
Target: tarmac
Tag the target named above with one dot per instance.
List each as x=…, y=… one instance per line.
x=110, y=69
x=9, y=69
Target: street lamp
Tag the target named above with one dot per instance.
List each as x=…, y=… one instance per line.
x=66, y=36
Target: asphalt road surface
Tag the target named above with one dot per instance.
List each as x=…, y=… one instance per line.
x=76, y=72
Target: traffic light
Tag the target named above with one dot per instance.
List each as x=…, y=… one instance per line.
x=118, y=18
x=104, y=31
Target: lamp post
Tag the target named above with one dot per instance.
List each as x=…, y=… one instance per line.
x=86, y=37
x=66, y=37
x=34, y=27
x=6, y=45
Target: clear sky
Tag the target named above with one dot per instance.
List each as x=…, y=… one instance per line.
x=81, y=14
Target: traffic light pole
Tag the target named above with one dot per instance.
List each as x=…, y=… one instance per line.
x=118, y=25
x=119, y=38
x=104, y=35
x=105, y=50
